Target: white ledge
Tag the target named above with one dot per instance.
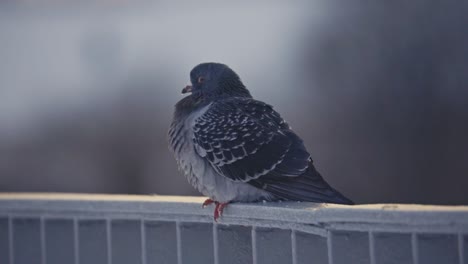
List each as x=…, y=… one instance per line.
x=310, y=217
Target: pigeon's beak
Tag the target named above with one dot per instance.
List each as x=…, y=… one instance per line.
x=187, y=89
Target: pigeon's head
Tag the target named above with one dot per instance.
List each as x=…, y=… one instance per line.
x=215, y=80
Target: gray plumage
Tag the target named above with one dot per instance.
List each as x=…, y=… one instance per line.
x=232, y=147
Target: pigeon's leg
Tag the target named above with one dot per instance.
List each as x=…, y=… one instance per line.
x=207, y=202
x=219, y=210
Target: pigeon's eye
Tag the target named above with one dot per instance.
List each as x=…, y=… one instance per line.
x=200, y=79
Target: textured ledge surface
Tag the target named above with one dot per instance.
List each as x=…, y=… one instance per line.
x=417, y=217
x=92, y=228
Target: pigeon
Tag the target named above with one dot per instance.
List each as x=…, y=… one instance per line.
x=233, y=148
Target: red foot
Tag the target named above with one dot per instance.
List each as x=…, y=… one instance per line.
x=219, y=210
x=207, y=202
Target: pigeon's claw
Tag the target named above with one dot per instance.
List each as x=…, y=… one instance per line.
x=219, y=210
x=207, y=202
x=219, y=207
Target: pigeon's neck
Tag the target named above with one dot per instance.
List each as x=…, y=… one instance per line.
x=189, y=104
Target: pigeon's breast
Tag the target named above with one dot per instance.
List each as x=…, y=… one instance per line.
x=199, y=172
x=181, y=143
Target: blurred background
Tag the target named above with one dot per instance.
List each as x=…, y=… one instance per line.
x=377, y=90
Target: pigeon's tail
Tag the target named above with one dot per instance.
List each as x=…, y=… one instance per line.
x=308, y=187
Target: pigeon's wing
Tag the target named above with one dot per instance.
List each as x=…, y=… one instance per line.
x=244, y=139
x=310, y=186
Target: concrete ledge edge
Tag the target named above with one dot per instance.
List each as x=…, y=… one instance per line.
x=307, y=216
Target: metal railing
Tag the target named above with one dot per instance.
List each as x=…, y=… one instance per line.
x=114, y=229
